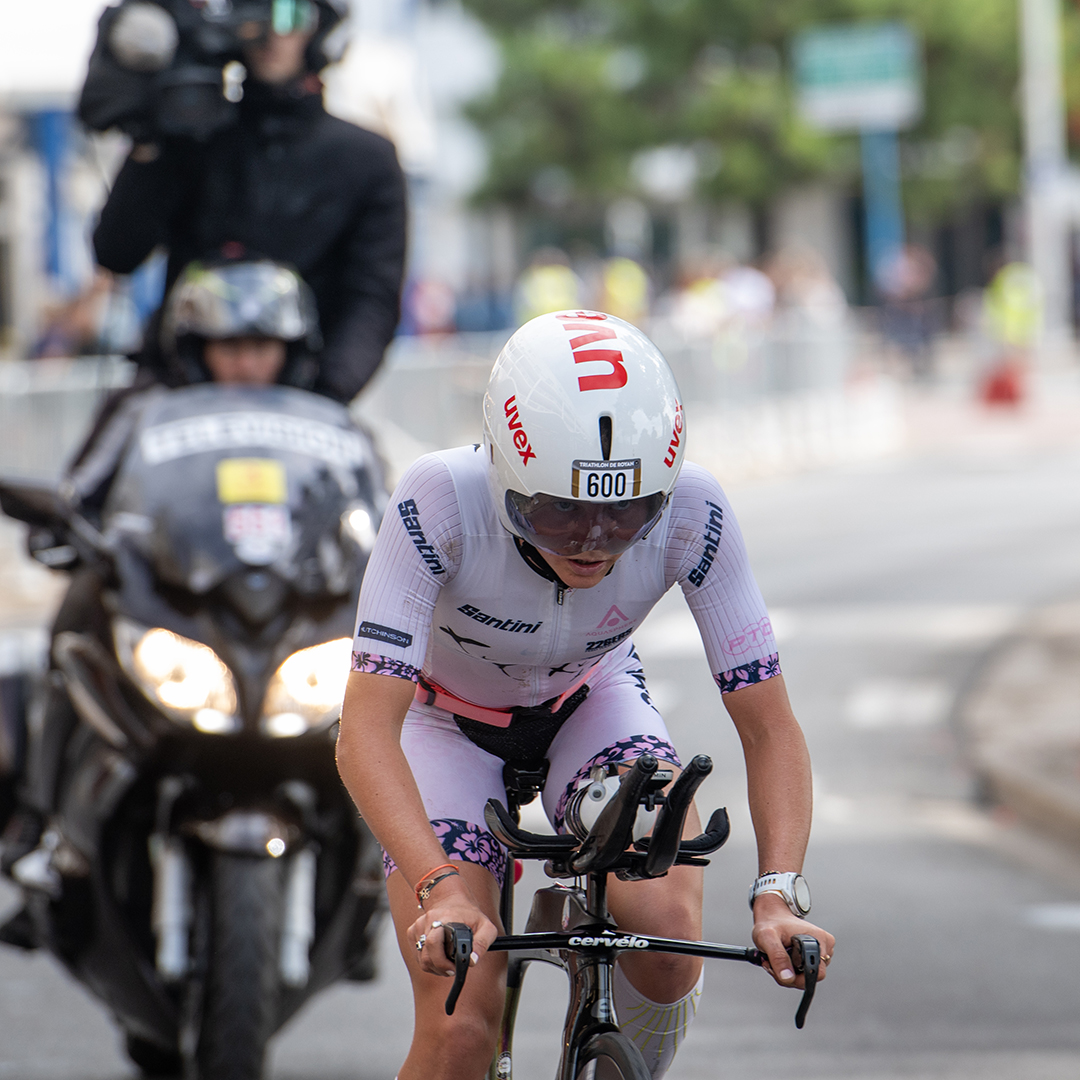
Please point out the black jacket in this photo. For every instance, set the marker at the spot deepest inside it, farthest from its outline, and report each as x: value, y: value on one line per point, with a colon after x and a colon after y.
x: 290, y: 182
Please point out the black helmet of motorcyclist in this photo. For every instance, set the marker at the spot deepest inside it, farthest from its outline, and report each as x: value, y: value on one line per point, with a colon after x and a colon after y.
x: 322, y: 19
x: 215, y: 304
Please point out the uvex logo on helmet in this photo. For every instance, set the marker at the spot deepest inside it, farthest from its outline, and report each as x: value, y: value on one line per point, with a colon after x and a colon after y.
x: 521, y: 440
x: 614, y: 379
x: 676, y: 437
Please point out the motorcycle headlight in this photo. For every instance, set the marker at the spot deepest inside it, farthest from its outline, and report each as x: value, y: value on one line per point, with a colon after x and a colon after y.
x: 306, y: 691
x: 184, y: 678
x: 358, y: 523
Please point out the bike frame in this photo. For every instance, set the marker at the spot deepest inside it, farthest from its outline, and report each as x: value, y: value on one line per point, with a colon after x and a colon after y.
x: 571, y: 928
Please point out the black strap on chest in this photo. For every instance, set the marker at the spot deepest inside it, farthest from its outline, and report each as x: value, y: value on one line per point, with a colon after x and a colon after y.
x: 524, y: 742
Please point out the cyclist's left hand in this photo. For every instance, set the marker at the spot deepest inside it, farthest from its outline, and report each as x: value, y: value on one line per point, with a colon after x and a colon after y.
x: 774, y: 927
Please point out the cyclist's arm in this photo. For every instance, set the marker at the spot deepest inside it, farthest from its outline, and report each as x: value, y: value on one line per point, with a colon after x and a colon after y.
x: 415, y: 553
x: 777, y: 772
x: 379, y: 779
x: 707, y: 557
x: 781, y: 796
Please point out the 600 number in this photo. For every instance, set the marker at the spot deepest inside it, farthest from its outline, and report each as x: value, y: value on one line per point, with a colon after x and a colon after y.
x: 606, y: 484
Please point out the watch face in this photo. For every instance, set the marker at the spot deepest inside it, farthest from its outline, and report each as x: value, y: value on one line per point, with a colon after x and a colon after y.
x: 802, y: 893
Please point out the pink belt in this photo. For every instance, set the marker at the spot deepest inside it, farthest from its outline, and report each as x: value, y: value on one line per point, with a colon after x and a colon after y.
x: 430, y: 693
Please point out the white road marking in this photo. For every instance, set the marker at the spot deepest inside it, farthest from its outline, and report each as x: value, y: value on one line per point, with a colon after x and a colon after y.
x: 1053, y: 916
x: 897, y: 703
x: 675, y: 634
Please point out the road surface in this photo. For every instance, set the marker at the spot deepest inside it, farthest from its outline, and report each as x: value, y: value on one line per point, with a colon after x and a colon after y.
x: 958, y: 934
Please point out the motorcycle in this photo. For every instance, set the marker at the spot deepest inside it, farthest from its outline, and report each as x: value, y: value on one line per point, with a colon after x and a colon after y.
x: 204, y: 872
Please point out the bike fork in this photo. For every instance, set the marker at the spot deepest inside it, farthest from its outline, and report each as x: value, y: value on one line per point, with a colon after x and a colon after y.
x: 502, y: 1063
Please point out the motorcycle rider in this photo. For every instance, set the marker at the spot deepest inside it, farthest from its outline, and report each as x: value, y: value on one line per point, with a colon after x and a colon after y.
x: 230, y: 322
x: 287, y: 180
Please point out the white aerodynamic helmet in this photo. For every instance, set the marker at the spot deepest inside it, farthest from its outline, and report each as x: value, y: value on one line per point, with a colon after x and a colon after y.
x: 584, y: 432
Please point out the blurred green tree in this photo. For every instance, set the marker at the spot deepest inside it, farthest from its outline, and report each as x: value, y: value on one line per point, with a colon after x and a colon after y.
x: 590, y: 87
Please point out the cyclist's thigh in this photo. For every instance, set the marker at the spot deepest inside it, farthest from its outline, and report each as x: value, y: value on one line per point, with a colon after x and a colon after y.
x: 615, y: 723
x: 456, y: 778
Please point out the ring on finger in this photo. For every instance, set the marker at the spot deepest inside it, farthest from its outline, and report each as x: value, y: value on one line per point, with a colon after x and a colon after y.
x: 436, y: 924
x: 420, y: 942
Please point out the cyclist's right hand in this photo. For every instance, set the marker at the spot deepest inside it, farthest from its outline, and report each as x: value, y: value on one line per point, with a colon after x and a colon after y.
x: 455, y: 904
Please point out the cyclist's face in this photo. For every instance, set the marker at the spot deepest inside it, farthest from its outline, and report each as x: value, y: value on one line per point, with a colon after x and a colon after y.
x: 277, y: 58
x: 250, y: 361
x: 581, y: 571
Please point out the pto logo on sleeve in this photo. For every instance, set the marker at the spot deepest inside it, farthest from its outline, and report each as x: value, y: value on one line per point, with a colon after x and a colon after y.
x: 606, y: 479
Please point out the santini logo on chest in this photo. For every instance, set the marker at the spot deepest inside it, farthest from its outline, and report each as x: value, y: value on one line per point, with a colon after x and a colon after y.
x: 521, y: 440
x: 608, y: 380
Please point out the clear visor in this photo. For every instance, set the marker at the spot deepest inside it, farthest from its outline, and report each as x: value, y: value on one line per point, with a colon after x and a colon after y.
x: 260, y: 299
x: 255, y: 18
x: 570, y: 527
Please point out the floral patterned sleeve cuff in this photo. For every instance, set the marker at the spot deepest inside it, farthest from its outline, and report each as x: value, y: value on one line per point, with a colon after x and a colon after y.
x: 754, y: 672
x: 373, y: 664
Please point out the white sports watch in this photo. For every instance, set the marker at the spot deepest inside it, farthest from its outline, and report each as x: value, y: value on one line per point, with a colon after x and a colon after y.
x: 791, y: 886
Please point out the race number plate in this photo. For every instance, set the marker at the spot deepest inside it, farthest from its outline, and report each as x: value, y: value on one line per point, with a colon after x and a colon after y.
x: 251, y: 480
x: 606, y: 479
x: 259, y: 533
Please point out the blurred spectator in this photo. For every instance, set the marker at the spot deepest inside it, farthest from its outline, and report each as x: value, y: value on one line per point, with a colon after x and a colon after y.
x: 1012, y: 308
x: 624, y: 290
x: 101, y: 320
x: 909, y: 317
x: 547, y: 284
x: 805, y: 289
x: 750, y: 295
x: 696, y: 307
x: 428, y: 307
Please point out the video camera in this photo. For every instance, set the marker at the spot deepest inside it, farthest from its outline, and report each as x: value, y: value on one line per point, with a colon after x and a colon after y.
x: 162, y: 67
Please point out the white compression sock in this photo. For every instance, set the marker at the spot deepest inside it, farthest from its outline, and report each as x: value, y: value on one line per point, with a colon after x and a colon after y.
x: 655, y: 1029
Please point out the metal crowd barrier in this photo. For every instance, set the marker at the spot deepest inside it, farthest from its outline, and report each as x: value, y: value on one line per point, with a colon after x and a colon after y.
x: 428, y: 393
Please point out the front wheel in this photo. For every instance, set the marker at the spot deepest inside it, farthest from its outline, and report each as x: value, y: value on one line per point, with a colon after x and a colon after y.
x: 610, y: 1055
x: 240, y: 997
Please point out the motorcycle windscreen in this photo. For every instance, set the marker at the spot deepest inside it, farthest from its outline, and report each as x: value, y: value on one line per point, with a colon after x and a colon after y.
x: 218, y: 478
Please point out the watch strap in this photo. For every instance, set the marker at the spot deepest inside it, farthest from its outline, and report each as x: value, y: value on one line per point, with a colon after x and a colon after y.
x: 785, y: 885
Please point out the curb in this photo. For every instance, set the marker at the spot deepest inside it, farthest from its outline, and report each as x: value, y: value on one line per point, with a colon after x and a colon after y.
x: 1021, y: 722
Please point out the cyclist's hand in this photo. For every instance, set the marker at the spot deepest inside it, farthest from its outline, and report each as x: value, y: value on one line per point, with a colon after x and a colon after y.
x: 456, y: 906
x: 774, y: 927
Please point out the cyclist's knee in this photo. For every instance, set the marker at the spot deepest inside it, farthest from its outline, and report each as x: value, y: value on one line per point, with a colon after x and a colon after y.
x: 661, y: 977
x: 465, y: 1041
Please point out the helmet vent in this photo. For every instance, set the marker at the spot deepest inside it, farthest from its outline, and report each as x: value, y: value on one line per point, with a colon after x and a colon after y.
x: 605, y: 437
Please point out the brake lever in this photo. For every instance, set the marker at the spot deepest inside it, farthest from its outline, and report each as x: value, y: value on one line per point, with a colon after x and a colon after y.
x: 805, y: 953
x: 457, y: 941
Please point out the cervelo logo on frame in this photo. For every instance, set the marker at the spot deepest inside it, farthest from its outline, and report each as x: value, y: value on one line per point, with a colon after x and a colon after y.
x: 614, y: 379
x: 676, y: 437
x: 606, y: 941
x: 521, y: 440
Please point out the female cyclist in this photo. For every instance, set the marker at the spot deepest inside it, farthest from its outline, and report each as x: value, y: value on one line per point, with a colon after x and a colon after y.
x: 495, y: 623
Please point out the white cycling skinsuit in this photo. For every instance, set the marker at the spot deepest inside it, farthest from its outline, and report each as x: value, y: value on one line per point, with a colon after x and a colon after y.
x: 448, y: 596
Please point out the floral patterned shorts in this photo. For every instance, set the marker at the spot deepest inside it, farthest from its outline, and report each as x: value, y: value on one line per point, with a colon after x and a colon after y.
x: 617, y: 722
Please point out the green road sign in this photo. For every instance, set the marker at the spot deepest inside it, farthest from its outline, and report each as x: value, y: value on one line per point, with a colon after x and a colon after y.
x: 861, y: 77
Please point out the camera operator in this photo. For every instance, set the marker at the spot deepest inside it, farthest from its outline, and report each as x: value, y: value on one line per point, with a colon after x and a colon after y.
x: 285, y: 179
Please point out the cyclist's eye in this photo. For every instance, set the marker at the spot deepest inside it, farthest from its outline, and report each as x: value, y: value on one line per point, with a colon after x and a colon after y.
x: 623, y: 504
x: 564, y: 506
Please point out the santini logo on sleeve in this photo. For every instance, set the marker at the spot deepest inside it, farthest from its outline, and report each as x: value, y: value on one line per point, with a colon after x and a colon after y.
x: 386, y: 634
x: 410, y: 517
